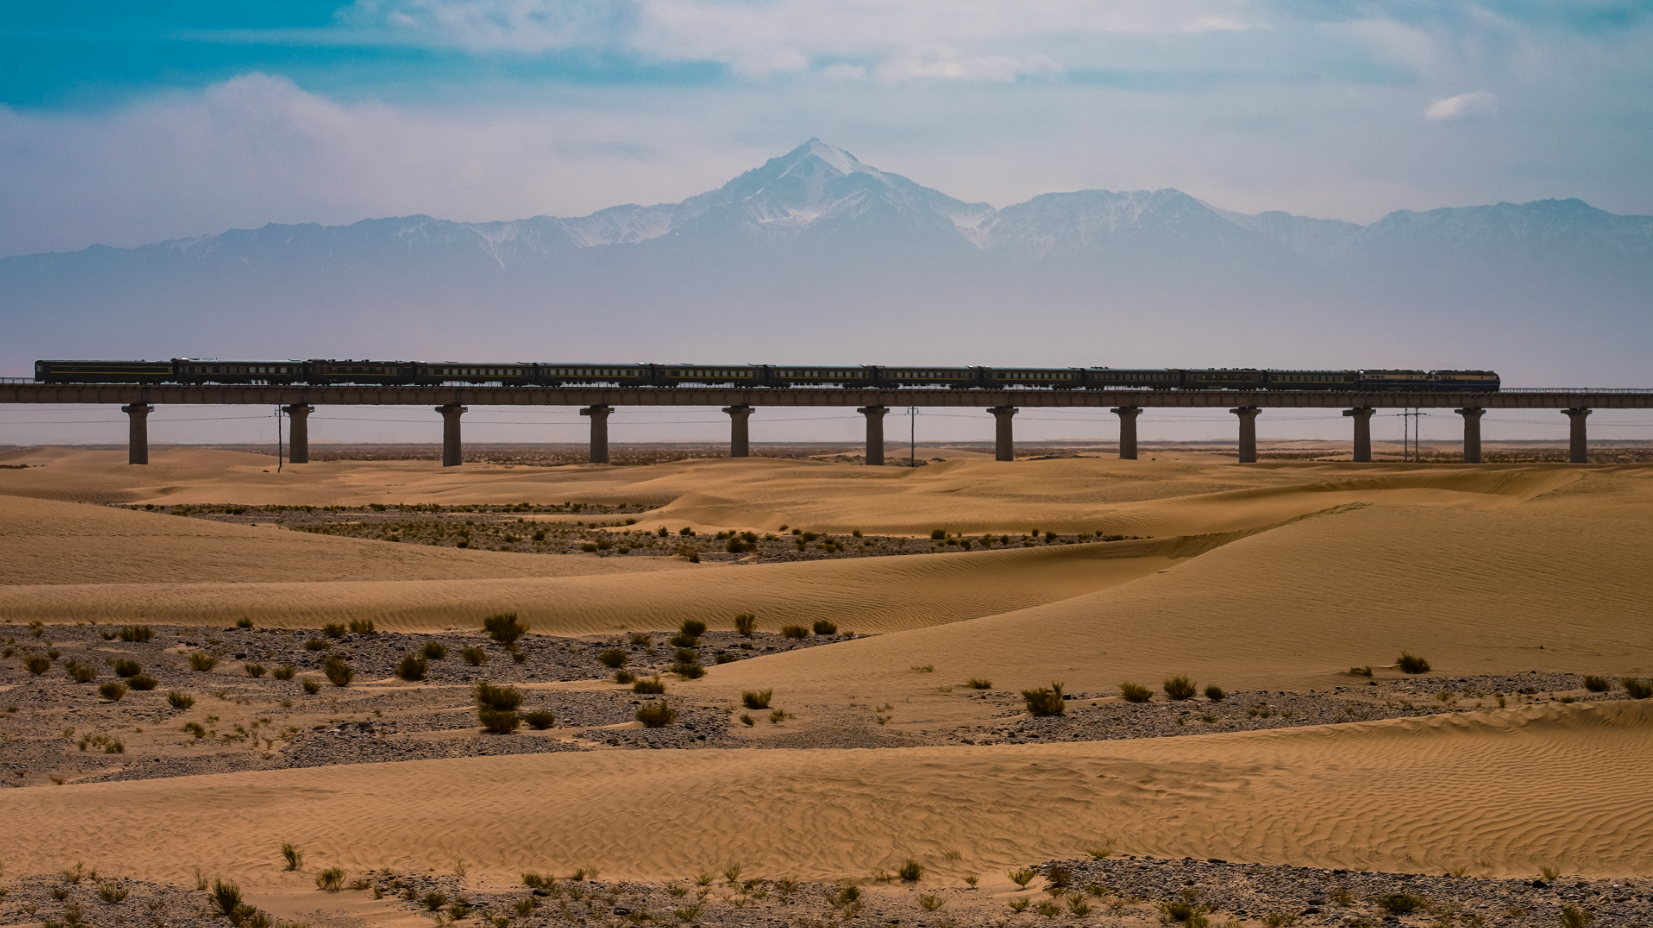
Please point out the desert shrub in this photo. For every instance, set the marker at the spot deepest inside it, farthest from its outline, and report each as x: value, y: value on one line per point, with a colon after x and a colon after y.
x: 930, y: 903
x: 640, y: 639
x: 1184, y: 912
x: 1361, y: 671
x: 1134, y: 693
x: 317, y: 644
x: 756, y: 699
x: 79, y: 672
x: 284, y: 672
x: 253, y: 670
x: 1597, y: 684
x: 1411, y: 663
x: 624, y: 676
x: 331, y: 879
x: 794, y: 631
x: 178, y: 700
x: 112, y: 893
x: 1179, y: 688
x: 613, y: 658
x: 911, y: 872
x: 724, y: 657
x: 37, y: 664
x: 127, y: 668
x: 1400, y: 903
x: 201, y: 661
x: 436, y: 650
x: 311, y: 685
x: 688, y: 671
x: 686, y: 656
x: 1215, y: 693
x: 138, y: 633
x: 112, y: 691
x: 476, y: 657
x: 540, y: 719
x: 244, y: 622
x: 1078, y: 906
x: 496, y: 721
x: 977, y: 683
x: 1045, y: 701
x: 823, y: 627
x: 338, y: 672
x: 1638, y: 689
x: 226, y: 896
x: 504, y: 627
x: 142, y: 682
x: 1575, y: 917
x: 656, y: 714
x: 434, y: 900
x: 293, y: 856
x: 361, y: 626
x: 746, y: 623
x: 489, y: 696
x: 650, y: 687
x: 333, y: 629
x: 412, y: 667
x: 684, y: 640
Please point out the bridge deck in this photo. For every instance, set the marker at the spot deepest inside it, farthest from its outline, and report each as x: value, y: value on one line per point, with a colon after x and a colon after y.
x: 178, y: 394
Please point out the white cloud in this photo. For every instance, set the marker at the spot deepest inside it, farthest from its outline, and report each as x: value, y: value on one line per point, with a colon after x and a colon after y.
x: 1463, y: 106
x: 939, y: 62
x: 259, y: 149
x: 981, y: 39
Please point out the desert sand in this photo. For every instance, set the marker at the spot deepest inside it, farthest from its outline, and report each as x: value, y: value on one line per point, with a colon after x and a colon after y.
x: 1264, y: 577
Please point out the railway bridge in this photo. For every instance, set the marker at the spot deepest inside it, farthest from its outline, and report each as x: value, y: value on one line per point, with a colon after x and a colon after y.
x: 599, y: 403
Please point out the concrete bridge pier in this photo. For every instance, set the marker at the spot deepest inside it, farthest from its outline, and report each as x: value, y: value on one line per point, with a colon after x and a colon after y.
x: 1248, y: 432
x: 453, y: 453
x: 1472, y: 432
x: 1578, y: 444
x: 1004, y: 439
x: 875, y: 433
x: 1363, y: 432
x: 298, y: 432
x: 738, y: 446
x: 599, y: 431
x: 1127, y: 430
x: 137, y: 432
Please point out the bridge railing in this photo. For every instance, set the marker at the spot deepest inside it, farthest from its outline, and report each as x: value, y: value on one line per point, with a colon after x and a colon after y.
x: 16, y: 380
x: 1574, y: 390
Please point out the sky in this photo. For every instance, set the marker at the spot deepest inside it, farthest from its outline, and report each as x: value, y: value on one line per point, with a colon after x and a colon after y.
x: 124, y: 122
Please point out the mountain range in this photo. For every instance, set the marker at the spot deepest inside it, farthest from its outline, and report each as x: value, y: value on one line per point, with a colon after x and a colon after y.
x: 816, y: 256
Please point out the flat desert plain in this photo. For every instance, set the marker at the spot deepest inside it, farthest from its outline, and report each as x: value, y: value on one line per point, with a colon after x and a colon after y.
x: 864, y: 750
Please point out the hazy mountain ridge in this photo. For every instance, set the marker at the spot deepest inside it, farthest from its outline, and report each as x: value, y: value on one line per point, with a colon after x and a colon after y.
x: 819, y: 192
x: 816, y: 254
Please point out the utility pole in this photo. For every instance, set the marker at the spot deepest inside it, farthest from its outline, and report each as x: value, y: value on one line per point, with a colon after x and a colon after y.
x: 912, y: 436
x: 278, y: 438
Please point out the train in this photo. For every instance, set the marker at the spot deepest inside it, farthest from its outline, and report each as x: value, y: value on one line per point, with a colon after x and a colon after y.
x: 757, y: 376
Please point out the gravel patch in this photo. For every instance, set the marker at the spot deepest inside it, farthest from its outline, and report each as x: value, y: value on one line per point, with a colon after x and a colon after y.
x: 1106, y: 717
x: 1313, y: 896
x: 604, y: 531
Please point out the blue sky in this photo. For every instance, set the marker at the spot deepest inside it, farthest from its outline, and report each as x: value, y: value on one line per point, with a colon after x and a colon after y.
x: 129, y: 122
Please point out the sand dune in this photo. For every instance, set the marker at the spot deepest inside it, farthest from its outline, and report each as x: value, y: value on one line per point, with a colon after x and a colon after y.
x: 51, y: 542
x: 1501, y: 792
x: 864, y: 595
x: 1296, y: 607
x: 1277, y: 577
x: 1068, y: 495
